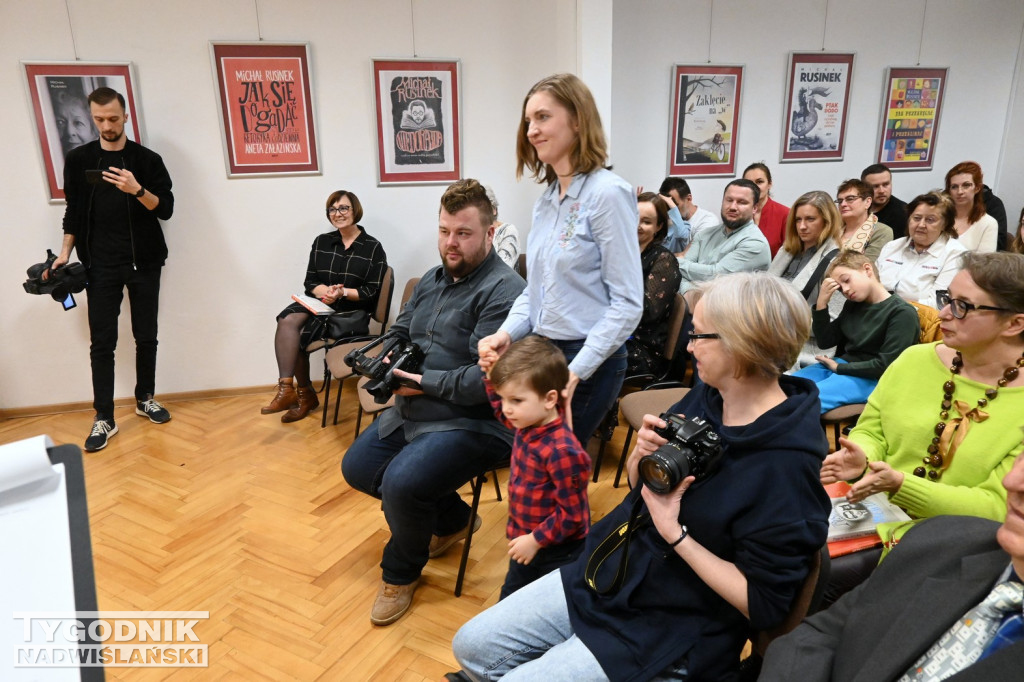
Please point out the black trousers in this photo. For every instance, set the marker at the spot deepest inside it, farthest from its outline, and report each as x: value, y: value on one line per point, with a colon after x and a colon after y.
x: 105, y: 293
x: 547, y: 559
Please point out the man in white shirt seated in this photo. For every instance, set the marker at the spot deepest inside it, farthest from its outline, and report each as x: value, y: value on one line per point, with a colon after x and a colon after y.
x: 686, y: 219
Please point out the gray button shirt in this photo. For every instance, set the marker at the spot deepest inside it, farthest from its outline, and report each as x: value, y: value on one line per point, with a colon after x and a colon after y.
x: 447, y: 318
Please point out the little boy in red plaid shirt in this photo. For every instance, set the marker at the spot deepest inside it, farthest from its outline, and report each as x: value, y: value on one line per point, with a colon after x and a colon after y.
x: 548, y: 508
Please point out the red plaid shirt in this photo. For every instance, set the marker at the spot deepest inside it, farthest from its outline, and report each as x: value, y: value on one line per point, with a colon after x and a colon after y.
x: 547, y: 485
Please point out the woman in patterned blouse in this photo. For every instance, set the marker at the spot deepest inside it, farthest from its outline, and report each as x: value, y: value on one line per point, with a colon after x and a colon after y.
x: 346, y: 266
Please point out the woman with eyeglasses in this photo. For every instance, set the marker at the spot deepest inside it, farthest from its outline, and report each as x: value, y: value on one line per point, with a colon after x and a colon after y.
x: 918, y: 265
x: 707, y: 559
x: 976, y: 229
x: 861, y: 230
x: 345, y: 270
x: 942, y: 427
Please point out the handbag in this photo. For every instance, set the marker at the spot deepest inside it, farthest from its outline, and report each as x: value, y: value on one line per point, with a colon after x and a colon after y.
x: 348, y: 323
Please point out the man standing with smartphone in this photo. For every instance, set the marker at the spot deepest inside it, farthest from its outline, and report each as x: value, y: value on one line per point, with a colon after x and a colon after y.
x: 117, y: 192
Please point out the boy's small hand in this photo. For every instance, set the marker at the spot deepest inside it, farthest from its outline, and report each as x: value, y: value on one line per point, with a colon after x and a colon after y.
x: 523, y: 548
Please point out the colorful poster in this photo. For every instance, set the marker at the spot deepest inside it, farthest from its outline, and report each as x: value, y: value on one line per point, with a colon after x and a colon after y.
x: 417, y: 121
x: 911, y: 106
x: 266, y: 109
x: 59, y: 95
x: 705, y: 114
x: 817, y: 104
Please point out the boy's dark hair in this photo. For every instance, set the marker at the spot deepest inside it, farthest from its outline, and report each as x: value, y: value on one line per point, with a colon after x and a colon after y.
x: 875, y: 169
x: 536, y: 362
x: 676, y: 183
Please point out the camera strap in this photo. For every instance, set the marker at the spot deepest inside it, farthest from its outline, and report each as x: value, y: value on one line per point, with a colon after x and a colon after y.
x: 620, y: 537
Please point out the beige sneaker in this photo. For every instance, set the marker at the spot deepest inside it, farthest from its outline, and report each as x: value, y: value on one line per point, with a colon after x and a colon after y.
x: 439, y: 544
x: 392, y: 602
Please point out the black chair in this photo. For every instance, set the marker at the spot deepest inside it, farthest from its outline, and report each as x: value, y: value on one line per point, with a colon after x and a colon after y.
x: 642, y: 382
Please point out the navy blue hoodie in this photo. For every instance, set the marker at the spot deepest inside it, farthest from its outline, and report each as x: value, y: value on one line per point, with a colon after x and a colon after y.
x: 765, y: 510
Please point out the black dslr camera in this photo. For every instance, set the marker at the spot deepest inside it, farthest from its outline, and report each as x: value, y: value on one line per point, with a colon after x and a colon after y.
x: 401, y: 354
x: 60, y: 283
x: 693, y: 449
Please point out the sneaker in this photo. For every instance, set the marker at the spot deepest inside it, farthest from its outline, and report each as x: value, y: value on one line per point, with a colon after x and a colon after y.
x: 102, y: 431
x: 392, y: 602
x: 156, y: 412
x: 439, y: 544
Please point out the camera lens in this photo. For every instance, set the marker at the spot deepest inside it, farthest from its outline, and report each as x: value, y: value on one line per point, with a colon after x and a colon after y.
x: 663, y: 469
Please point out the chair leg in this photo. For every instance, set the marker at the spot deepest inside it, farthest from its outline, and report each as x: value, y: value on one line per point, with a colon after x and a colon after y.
x: 327, y: 395
x: 337, y: 401
x: 478, y: 485
x: 497, y: 488
x: 622, y: 458
x: 359, y: 418
x: 600, y: 458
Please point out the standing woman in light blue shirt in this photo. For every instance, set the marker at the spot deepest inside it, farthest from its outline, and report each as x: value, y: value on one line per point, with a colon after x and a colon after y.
x: 584, y: 282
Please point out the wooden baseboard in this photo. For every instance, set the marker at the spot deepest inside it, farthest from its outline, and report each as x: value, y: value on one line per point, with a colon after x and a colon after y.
x: 82, y: 406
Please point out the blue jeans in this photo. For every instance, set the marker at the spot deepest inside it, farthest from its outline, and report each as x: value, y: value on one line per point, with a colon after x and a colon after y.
x: 595, y: 396
x: 837, y: 389
x: 104, y: 293
x: 526, y: 637
x: 418, y: 484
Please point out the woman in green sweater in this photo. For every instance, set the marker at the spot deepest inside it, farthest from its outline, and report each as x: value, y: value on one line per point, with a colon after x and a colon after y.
x: 873, y: 328
x: 944, y: 424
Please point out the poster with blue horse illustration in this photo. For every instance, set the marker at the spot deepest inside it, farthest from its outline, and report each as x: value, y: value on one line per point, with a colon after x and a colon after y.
x: 817, y: 104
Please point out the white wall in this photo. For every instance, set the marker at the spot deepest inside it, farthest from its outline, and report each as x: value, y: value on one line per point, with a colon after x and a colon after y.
x: 238, y: 247
x: 978, y: 41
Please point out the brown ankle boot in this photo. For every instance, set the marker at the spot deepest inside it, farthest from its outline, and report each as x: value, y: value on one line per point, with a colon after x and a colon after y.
x: 285, y: 398
x: 307, y: 403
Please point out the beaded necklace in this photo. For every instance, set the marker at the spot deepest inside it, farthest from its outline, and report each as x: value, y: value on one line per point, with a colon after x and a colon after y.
x: 949, y: 435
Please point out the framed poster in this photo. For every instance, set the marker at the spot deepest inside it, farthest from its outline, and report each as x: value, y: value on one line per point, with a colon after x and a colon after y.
x: 911, y: 105
x: 817, y: 104
x: 266, y: 108
x: 418, y: 121
x: 59, y: 94
x: 705, y: 116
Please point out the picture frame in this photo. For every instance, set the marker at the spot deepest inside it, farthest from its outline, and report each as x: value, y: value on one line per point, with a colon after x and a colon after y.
x: 816, y: 106
x: 911, y: 111
x: 704, y: 124
x: 419, y: 120
x: 266, y: 107
x: 58, y: 93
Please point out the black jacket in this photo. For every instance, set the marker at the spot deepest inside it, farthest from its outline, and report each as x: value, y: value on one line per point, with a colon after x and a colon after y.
x: 148, y: 246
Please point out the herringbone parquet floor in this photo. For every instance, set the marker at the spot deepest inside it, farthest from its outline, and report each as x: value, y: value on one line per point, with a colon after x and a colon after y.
x: 227, y: 511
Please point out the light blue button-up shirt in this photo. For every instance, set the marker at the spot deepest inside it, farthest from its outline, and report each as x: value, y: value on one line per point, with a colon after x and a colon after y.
x: 584, y: 279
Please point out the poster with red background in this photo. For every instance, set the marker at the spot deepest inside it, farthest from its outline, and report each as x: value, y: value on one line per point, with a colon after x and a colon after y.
x: 266, y: 108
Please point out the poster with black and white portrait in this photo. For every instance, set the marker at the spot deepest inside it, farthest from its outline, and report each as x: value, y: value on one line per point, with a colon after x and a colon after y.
x: 59, y: 94
x: 417, y: 121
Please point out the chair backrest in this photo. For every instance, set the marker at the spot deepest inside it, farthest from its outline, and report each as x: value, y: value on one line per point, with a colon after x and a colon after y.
x: 521, y: 265
x: 675, y: 326
x: 407, y: 293
x: 382, y: 311
x: 807, y: 601
x: 928, y: 317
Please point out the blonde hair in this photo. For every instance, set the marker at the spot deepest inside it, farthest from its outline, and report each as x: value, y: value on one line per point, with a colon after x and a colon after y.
x: 762, y: 321
x: 589, y: 151
x: 826, y: 208
x: 851, y: 260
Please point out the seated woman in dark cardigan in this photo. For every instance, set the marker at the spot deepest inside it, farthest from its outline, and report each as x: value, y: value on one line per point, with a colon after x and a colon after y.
x: 708, y: 559
x: 645, y: 349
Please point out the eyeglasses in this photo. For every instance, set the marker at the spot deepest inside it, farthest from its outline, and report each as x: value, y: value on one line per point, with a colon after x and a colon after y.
x: 961, y: 308
x: 340, y: 210
x: 848, y: 199
x: 967, y: 187
x: 927, y: 220
x: 697, y: 337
